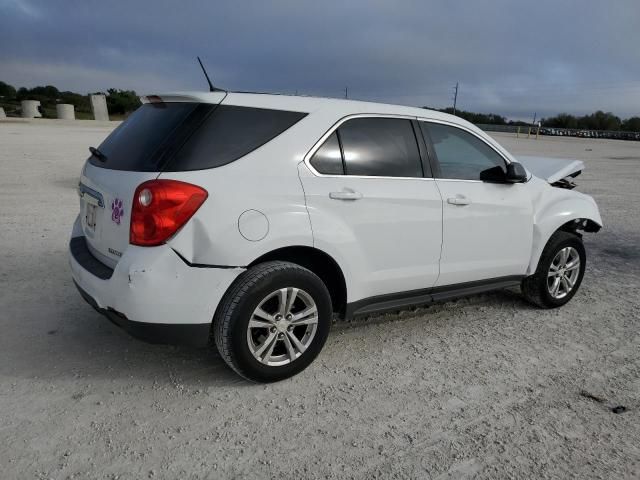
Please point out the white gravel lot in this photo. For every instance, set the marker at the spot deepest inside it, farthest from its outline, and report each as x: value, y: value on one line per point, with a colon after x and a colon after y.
x: 487, y: 387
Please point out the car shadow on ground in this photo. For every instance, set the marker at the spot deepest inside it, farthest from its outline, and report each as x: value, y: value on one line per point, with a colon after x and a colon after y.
x: 56, y: 334
x: 75, y: 341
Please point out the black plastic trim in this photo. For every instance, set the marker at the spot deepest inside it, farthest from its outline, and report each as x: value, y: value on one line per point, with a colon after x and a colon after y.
x: 203, y: 265
x: 431, y: 153
x: 82, y: 255
x: 414, y: 298
x: 190, y: 334
x: 422, y: 149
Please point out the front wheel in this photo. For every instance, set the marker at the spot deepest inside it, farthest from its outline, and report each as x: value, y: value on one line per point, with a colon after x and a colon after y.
x: 559, y: 273
x: 273, y: 321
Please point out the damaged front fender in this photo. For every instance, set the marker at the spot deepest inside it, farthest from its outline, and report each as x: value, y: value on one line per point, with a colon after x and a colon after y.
x: 555, y: 209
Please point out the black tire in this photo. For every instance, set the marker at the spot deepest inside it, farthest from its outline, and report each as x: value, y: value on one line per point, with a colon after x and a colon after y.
x: 232, y: 317
x: 535, y: 289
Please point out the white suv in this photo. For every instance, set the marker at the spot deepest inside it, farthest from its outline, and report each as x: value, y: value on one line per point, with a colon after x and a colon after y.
x: 253, y: 220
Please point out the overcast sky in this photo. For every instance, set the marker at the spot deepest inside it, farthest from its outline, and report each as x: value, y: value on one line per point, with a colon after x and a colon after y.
x: 511, y: 57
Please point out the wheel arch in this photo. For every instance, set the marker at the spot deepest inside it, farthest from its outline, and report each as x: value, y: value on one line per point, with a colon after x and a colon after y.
x: 560, y: 209
x: 320, y: 263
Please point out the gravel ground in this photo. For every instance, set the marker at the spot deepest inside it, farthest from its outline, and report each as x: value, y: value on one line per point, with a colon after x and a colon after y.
x: 487, y: 387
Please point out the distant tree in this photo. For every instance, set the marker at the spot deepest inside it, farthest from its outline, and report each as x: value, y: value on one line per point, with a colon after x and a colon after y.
x: 562, y: 120
x: 80, y: 102
x: 22, y: 94
x: 631, y: 124
x: 600, y: 121
x: 122, y: 101
x: 7, y: 91
x: 49, y: 91
x: 47, y: 95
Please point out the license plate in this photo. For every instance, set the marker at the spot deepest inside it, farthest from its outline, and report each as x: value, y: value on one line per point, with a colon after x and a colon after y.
x: 90, y: 216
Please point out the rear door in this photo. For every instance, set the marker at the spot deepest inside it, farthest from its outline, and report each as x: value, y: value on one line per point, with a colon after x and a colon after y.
x: 374, y: 206
x: 487, y: 227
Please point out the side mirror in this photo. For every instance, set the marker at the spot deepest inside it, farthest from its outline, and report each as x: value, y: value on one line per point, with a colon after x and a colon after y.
x: 493, y: 175
x: 515, y: 173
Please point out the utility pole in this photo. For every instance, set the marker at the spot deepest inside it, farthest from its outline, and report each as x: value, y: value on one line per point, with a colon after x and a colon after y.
x: 535, y: 114
x: 455, y: 98
x: 346, y: 92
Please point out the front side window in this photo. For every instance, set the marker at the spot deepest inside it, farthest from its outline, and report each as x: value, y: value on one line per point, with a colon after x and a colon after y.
x: 460, y: 154
x: 380, y: 147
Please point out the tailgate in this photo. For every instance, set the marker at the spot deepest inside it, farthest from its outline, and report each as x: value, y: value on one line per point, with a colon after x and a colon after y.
x: 136, y: 151
x: 105, y: 209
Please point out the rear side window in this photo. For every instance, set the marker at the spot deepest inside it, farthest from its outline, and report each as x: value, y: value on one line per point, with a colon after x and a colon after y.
x: 328, y: 158
x: 184, y: 136
x: 460, y: 154
x: 136, y: 144
x: 230, y: 133
x: 381, y: 147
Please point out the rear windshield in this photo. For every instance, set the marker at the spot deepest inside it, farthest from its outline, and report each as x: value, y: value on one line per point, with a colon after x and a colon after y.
x: 190, y: 136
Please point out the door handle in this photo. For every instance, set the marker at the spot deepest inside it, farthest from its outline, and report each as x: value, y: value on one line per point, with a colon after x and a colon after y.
x: 459, y: 200
x: 346, y: 194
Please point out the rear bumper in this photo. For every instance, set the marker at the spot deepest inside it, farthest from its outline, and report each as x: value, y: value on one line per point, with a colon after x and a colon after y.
x: 152, y: 293
x: 195, y: 335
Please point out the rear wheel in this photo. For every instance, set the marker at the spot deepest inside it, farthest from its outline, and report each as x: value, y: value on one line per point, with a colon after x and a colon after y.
x: 559, y: 273
x: 273, y: 321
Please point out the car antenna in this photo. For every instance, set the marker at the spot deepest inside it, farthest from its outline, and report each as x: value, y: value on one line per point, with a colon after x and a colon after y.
x: 211, y: 87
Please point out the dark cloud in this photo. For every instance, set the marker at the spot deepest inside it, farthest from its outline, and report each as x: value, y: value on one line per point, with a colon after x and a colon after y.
x: 512, y: 58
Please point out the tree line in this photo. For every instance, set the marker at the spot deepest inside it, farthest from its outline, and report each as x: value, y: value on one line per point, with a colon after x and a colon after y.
x: 123, y: 102
x: 596, y: 121
x: 479, y: 118
x: 119, y: 102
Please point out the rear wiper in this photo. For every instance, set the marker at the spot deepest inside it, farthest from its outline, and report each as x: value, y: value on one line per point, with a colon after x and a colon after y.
x: 98, y: 154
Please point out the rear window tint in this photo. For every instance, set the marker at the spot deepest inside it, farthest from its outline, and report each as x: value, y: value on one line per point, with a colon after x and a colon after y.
x: 184, y: 136
x: 230, y: 133
x: 328, y: 159
x: 135, y: 144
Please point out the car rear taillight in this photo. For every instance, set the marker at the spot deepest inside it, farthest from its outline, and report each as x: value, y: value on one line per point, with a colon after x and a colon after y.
x: 160, y: 208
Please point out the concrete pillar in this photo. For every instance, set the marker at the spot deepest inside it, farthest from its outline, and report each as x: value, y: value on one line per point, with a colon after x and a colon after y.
x: 2, y: 114
x: 99, y: 107
x: 64, y: 111
x: 30, y: 109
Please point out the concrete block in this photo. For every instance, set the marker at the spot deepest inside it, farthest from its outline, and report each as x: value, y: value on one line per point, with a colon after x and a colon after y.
x: 99, y: 107
x: 30, y: 109
x: 64, y: 111
x: 2, y: 114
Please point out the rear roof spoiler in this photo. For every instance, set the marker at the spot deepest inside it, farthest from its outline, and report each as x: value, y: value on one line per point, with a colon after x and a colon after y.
x: 198, y: 97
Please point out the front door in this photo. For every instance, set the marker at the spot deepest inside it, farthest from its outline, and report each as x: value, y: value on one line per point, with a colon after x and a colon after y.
x: 487, y: 227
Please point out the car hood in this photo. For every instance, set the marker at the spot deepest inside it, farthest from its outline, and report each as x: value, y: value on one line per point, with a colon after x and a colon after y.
x: 552, y: 169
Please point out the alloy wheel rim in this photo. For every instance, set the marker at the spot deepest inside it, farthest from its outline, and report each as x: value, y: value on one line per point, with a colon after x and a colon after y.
x: 282, y: 326
x: 563, y: 272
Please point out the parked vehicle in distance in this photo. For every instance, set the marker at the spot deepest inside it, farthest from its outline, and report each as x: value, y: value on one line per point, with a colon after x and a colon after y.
x: 252, y: 220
